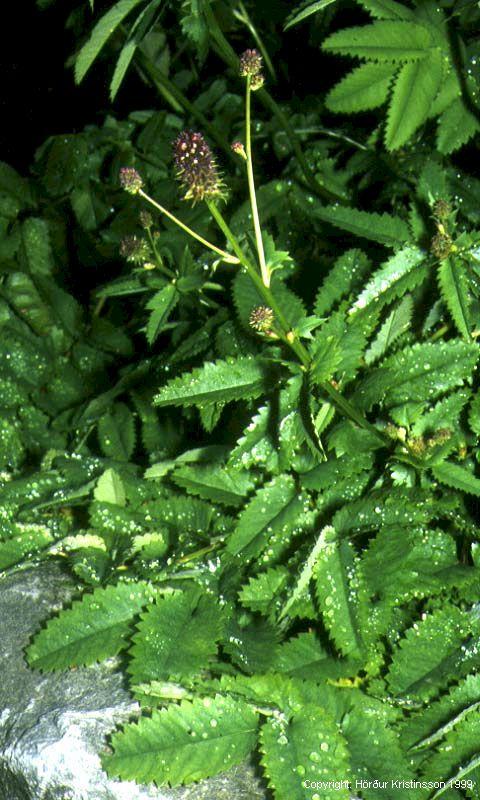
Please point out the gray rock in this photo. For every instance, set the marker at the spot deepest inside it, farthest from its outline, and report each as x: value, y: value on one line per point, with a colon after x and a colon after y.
x: 53, y: 726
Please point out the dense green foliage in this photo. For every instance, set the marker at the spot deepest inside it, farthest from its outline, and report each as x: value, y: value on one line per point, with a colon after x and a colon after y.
x: 260, y: 460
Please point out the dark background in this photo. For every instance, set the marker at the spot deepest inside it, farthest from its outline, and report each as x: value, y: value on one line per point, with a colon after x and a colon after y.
x: 39, y: 97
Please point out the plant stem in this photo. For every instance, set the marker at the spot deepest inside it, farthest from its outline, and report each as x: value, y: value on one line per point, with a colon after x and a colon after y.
x: 251, y: 186
x: 160, y: 265
x: 227, y: 53
x: 222, y: 253
x: 287, y: 334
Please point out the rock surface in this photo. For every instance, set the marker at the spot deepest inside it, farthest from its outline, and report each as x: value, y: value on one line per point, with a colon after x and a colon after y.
x: 53, y: 726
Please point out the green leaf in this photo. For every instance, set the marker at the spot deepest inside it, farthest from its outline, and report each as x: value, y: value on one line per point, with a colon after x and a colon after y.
x: 382, y: 41
x: 415, y: 89
x: 458, y: 757
x: 185, y: 742
x: 36, y: 241
x: 110, y: 489
x: 419, y: 372
x: 221, y: 381
x: 455, y: 127
x: 176, y: 637
x: 474, y: 414
x: 261, y: 590
x: 384, y: 228
x: 101, y: 33
x: 390, y: 280
x: 428, y: 727
x: 349, y: 270
x: 444, y: 414
x: 404, y: 563
x: 251, y: 647
x: 138, y: 31
x: 387, y: 9
x: 308, y: 746
x: 432, y: 650
x: 375, y: 754
x: 217, y: 484
x: 452, y: 279
x: 22, y: 294
x: 161, y: 305
x: 361, y: 90
x: 301, y: 657
x: 457, y: 477
x: 194, y: 25
x: 329, y: 473
x: 29, y: 540
x: 270, y: 517
x: 116, y: 433
x: 304, y: 11
x: 397, y: 322
x: 302, y: 583
x: 93, y: 629
x: 337, y: 592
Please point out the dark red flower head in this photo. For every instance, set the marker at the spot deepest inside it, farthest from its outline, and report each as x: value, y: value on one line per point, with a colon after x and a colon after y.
x: 250, y: 63
x: 196, y: 167
x: 131, y: 180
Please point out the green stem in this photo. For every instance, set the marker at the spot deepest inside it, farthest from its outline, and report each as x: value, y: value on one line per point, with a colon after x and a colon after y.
x: 287, y: 335
x: 161, y: 266
x: 251, y: 186
x: 222, y: 253
x: 226, y: 52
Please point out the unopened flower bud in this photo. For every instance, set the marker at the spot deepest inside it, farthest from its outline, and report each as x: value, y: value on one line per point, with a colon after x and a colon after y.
x: 441, y: 245
x: 250, y: 63
x: 146, y: 219
x: 131, y: 180
x: 196, y: 167
x: 440, y: 437
x: 442, y: 209
x: 261, y: 319
x: 239, y: 149
x: 134, y: 249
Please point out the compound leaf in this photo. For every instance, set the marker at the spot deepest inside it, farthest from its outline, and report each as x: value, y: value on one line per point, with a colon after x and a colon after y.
x: 220, y: 381
x: 382, y: 41
x: 310, y: 744
x: 93, y: 629
x: 184, y: 743
x: 361, y: 90
x: 415, y: 89
x: 269, y: 518
x: 176, y: 637
x: 453, y: 286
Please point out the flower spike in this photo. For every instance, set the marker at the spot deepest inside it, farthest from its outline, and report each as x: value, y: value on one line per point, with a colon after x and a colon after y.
x: 131, y: 180
x: 250, y: 63
x: 196, y: 167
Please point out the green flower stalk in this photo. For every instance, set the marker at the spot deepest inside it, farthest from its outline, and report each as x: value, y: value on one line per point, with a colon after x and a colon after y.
x: 133, y: 183
x: 250, y: 68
